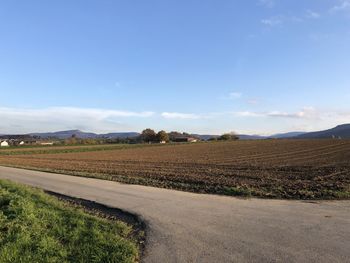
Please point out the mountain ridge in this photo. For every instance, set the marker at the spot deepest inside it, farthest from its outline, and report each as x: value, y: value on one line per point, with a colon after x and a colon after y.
x: 340, y: 131
x: 84, y: 135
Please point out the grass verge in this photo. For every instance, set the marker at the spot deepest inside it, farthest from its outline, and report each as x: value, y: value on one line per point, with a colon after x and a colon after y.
x: 36, y: 227
x: 69, y: 149
x: 54, y: 149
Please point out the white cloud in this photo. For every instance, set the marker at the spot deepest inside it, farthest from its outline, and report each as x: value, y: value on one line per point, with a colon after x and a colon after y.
x: 279, y: 20
x: 15, y: 120
x: 267, y: 3
x: 235, y: 95
x: 253, y: 101
x: 344, y: 5
x: 305, y: 113
x: 307, y: 119
x: 272, y: 21
x: 182, y: 116
x: 247, y: 114
x: 91, y: 112
x: 312, y: 14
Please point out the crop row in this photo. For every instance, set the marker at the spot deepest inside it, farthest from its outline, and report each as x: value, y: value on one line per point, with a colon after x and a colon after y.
x: 274, y: 168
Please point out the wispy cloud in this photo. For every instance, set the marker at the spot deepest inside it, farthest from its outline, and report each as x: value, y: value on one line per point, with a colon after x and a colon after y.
x: 235, y: 95
x: 312, y: 14
x: 253, y: 101
x: 306, y: 116
x: 305, y: 113
x: 56, y: 118
x: 71, y: 111
x: 182, y: 116
x: 247, y: 114
x: 272, y: 21
x: 16, y: 120
x: 342, y: 6
x: 267, y: 3
x: 279, y: 20
x: 98, y: 113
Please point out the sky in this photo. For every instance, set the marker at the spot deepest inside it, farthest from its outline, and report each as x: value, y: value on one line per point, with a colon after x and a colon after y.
x: 200, y: 66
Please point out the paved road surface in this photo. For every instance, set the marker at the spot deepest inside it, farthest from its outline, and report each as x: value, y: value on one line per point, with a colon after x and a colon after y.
x: 186, y: 227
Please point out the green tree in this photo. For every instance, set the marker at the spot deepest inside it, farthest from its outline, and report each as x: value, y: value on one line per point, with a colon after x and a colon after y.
x: 173, y: 135
x: 228, y: 137
x: 148, y: 135
x: 162, y: 136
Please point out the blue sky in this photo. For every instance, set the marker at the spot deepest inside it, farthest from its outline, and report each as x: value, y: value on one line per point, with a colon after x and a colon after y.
x: 204, y: 66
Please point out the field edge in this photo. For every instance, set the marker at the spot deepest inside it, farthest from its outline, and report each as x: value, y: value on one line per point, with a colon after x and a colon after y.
x: 234, y: 191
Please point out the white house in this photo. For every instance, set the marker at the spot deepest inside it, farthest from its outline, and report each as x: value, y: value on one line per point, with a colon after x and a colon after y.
x: 46, y: 143
x: 4, y: 144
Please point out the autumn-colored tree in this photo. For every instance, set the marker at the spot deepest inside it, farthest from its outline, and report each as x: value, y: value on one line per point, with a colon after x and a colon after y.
x: 162, y: 136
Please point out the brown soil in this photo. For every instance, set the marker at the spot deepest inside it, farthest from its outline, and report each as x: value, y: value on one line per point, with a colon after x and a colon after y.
x: 306, y: 169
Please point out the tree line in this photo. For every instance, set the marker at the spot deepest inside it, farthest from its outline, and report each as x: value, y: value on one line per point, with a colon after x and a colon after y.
x: 147, y: 136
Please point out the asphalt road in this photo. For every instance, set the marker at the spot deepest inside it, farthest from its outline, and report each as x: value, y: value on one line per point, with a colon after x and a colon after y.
x: 187, y: 227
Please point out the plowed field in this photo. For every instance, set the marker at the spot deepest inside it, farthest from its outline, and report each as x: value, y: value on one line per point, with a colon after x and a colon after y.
x: 307, y: 169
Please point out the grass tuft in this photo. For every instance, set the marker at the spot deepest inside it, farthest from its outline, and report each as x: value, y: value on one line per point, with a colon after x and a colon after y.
x: 238, y: 191
x: 36, y: 227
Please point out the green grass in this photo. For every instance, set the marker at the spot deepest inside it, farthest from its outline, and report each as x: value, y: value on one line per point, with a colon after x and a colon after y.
x: 238, y: 191
x: 29, y: 150
x: 52, y: 149
x: 36, y: 227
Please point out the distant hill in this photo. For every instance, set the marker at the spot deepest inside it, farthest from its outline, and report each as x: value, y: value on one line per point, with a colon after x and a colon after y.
x: 342, y: 131
x: 204, y: 137
x: 251, y: 137
x: 254, y: 137
x: 65, y: 134
x: 286, y: 135
x: 120, y: 135
x: 16, y: 137
x: 84, y: 135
